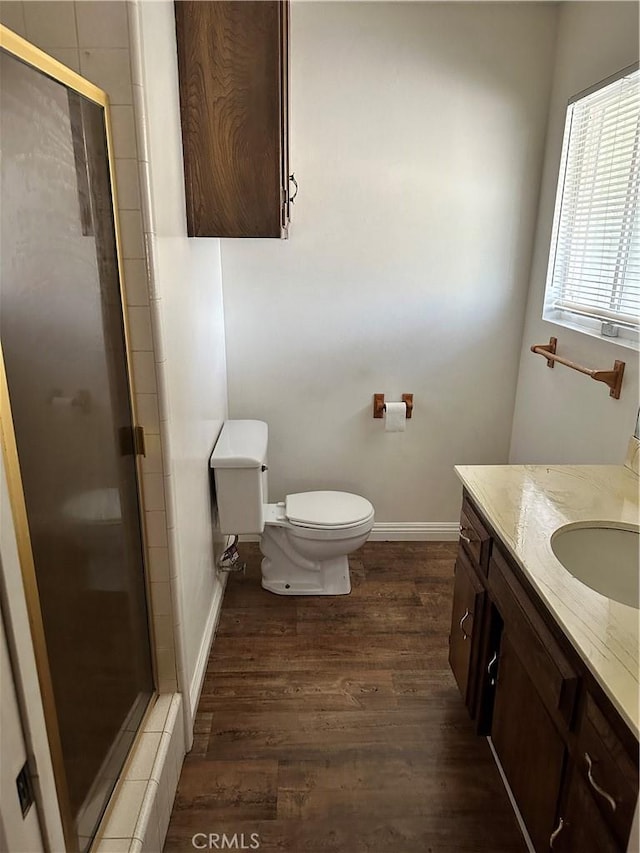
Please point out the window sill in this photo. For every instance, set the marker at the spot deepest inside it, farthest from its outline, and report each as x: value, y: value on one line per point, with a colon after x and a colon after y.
x: 626, y: 337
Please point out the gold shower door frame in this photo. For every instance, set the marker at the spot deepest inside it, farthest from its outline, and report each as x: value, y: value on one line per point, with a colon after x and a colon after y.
x: 42, y: 62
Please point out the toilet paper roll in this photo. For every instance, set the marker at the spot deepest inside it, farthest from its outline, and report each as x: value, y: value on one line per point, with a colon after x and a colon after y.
x: 395, y: 417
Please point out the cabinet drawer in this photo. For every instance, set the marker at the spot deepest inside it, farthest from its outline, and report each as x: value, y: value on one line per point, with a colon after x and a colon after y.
x: 474, y: 537
x: 608, y: 769
x: 553, y: 676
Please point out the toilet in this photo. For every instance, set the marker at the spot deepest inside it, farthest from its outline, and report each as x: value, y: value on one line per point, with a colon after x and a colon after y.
x: 305, y: 538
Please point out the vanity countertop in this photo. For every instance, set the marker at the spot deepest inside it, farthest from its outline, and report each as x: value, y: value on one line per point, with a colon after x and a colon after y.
x: 525, y: 504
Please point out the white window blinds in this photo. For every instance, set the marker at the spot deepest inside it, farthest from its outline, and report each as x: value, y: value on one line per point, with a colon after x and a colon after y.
x: 594, y: 264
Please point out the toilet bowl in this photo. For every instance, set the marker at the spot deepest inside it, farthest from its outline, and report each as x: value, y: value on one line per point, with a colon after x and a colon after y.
x: 306, y: 539
x: 304, y: 553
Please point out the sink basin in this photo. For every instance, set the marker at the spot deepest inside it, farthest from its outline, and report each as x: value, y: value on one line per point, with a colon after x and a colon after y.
x: 604, y: 557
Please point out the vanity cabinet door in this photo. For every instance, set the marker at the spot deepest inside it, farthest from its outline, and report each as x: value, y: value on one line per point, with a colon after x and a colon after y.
x: 528, y: 745
x: 466, y: 622
x: 609, y: 770
x: 580, y: 827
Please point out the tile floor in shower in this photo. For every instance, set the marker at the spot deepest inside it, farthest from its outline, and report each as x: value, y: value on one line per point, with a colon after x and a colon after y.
x: 334, y: 724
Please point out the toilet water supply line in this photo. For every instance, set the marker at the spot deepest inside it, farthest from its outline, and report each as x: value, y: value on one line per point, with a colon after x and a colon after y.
x: 229, y: 560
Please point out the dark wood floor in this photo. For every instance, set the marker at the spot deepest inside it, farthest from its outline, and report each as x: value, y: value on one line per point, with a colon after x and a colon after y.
x: 334, y: 724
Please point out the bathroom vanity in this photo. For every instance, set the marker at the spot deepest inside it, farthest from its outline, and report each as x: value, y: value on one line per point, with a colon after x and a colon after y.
x: 548, y: 667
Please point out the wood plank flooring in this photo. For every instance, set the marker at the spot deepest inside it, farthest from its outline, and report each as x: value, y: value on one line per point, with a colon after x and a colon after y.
x: 334, y: 725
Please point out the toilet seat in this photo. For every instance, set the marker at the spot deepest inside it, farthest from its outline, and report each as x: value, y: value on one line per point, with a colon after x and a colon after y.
x: 327, y: 510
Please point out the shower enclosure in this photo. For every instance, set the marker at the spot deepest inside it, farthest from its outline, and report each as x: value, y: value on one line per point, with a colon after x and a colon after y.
x: 69, y: 436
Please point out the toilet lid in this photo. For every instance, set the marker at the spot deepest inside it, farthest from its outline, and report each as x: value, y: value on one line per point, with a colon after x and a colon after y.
x: 327, y: 509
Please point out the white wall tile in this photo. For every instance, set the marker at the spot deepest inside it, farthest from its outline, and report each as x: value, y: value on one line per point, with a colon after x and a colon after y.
x: 102, y: 24
x: 135, y: 846
x: 12, y: 16
x: 147, y: 827
x: 151, y: 841
x: 140, y: 329
x: 170, y: 500
x: 144, y: 372
x: 143, y: 759
x: 158, y: 564
x: 51, y: 23
x: 142, y: 133
x: 153, y: 490
x: 131, y: 234
x: 135, y: 37
x: 159, y: 770
x: 158, y: 716
x: 135, y: 281
x: 69, y: 56
x: 163, y: 631
x: 164, y: 809
x: 113, y: 845
x: 128, y: 189
x: 148, y: 221
x: 152, y: 460
x: 157, y: 320
x: 156, y: 529
x: 160, y: 598
x: 109, y: 69
x: 124, y: 131
x: 175, y: 710
x: 126, y: 807
x: 147, y: 412
x: 166, y: 663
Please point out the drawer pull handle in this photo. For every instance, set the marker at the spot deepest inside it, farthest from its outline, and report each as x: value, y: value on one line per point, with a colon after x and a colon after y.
x: 556, y: 832
x: 492, y: 662
x: 595, y: 785
x: 463, y: 535
x: 467, y: 612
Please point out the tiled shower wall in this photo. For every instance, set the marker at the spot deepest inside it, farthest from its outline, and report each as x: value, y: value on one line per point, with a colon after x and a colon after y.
x: 92, y: 38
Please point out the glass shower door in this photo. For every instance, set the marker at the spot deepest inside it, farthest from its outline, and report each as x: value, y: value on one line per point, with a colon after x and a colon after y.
x: 63, y: 345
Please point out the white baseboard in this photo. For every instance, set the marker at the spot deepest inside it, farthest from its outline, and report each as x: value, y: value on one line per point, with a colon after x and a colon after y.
x: 403, y: 531
x: 205, y: 647
x: 415, y: 531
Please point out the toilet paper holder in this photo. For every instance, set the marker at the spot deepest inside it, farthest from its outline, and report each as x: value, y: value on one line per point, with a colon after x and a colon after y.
x: 378, y: 404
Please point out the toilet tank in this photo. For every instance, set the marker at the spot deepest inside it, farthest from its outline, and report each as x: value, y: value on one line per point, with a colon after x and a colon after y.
x: 239, y: 462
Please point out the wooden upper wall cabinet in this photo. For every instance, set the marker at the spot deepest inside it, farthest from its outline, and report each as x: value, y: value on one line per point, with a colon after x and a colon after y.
x: 233, y: 62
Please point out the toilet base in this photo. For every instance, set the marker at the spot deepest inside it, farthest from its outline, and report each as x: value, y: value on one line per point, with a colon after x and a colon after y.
x: 330, y: 578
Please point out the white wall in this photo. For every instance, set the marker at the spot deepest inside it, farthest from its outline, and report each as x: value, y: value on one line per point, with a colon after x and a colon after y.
x: 561, y: 415
x: 417, y: 141
x: 189, y: 333
x: 15, y: 619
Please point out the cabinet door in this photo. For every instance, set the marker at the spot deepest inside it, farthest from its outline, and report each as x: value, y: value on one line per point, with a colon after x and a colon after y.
x: 285, y: 62
x: 466, y: 620
x: 233, y: 98
x: 528, y: 745
x: 581, y: 828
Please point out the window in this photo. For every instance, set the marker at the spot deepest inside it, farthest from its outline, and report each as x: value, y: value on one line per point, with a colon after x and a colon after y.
x: 593, y: 280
